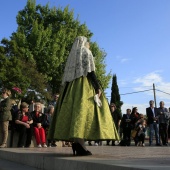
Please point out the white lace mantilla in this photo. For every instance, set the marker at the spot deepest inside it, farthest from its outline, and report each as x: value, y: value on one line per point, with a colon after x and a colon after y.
x: 79, y: 62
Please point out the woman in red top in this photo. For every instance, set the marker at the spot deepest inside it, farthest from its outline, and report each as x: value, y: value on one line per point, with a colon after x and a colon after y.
x: 24, y: 121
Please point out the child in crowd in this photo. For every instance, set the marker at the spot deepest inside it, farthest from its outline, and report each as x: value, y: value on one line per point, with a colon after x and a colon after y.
x: 141, y: 129
x: 49, y: 114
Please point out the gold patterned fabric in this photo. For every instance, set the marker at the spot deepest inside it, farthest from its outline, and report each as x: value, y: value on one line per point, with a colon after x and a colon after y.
x: 78, y: 116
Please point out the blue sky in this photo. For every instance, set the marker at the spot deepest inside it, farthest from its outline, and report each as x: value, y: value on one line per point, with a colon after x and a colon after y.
x: 135, y: 35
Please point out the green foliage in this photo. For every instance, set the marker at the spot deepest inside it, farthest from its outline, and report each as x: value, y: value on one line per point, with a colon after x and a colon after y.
x: 45, y: 36
x: 115, y: 96
x: 22, y: 74
x: 99, y: 56
x: 36, y: 53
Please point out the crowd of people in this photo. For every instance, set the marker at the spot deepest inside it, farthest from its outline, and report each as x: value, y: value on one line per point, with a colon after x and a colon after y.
x: 131, y: 126
x: 134, y: 126
x: 26, y: 123
x: 82, y: 113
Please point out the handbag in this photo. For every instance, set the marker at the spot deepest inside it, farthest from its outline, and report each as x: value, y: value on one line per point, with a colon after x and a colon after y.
x: 133, y: 133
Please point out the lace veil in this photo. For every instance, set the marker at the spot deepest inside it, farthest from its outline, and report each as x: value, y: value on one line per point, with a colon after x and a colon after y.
x: 79, y: 62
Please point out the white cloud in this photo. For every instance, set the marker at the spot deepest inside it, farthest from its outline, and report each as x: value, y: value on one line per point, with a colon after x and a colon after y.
x: 142, y: 83
x: 146, y: 82
x: 149, y: 79
x: 122, y: 59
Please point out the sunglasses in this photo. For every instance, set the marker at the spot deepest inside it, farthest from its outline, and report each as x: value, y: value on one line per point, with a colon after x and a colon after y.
x: 3, y: 92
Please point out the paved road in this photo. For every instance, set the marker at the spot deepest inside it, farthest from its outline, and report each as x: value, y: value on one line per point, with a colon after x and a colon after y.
x: 8, y: 165
x: 103, y: 158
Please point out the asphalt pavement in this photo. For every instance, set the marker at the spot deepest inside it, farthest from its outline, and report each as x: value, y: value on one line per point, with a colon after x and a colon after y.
x: 103, y: 158
x: 9, y: 165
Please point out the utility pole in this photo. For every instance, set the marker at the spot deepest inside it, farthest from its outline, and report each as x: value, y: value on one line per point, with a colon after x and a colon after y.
x: 154, y: 94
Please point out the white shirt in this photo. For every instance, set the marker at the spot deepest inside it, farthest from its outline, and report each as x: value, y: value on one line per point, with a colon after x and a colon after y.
x: 153, y: 111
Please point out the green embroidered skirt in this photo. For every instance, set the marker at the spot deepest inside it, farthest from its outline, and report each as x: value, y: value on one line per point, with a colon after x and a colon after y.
x: 78, y: 116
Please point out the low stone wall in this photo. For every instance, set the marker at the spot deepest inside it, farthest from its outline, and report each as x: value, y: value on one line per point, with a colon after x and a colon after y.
x: 13, y: 140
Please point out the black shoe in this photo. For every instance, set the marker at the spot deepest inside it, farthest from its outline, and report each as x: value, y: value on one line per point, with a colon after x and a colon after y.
x: 79, y: 150
x: 89, y: 143
x: 74, y: 148
x: 53, y: 145
x: 166, y: 144
x: 158, y: 144
x: 20, y: 146
x: 87, y: 153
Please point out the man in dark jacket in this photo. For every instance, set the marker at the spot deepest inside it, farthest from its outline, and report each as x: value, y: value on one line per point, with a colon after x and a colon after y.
x: 151, y: 113
x: 126, y: 124
x: 163, y: 119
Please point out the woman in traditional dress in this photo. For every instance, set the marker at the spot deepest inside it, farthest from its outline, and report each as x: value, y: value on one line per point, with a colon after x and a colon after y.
x: 78, y: 117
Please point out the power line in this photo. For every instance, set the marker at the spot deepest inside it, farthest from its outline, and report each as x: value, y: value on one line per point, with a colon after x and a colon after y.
x: 136, y: 92
x: 143, y: 91
x: 163, y: 92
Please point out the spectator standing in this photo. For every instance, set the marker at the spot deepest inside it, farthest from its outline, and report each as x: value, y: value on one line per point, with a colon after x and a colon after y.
x: 5, y: 116
x: 55, y: 99
x: 117, y: 116
x: 24, y: 125
x: 152, y: 122
x: 49, y: 115
x: 163, y: 119
x: 135, y: 116
x: 39, y: 120
x: 126, y: 124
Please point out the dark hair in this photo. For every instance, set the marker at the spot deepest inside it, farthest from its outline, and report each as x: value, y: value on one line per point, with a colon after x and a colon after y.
x: 128, y: 109
x: 49, y: 108
x: 112, y: 105
x: 133, y: 110
x: 151, y: 101
x: 141, y: 115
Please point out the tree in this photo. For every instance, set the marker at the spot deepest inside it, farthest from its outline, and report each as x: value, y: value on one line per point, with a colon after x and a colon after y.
x: 47, y: 35
x: 18, y: 73
x: 41, y: 46
x: 115, y: 96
